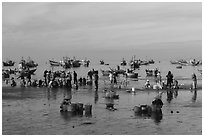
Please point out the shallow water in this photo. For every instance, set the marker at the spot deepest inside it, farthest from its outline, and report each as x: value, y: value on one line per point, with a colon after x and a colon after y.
x: 36, y: 110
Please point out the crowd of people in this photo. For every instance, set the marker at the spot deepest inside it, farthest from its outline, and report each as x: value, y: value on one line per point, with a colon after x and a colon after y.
x: 66, y: 79
x: 171, y: 82
x: 56, y: 79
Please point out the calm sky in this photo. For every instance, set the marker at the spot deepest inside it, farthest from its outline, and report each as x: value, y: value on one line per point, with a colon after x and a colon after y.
x: 42, y: 30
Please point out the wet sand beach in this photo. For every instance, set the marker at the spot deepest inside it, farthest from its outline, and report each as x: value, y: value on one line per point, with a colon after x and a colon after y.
x: 36, y: 111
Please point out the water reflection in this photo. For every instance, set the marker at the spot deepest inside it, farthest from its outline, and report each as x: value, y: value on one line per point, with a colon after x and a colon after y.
x: 52, y: 93
x: 67, y: 94
x: 194, y: 96
x: 96, y: 96
x: 175, y: 93
x: 156, y: 116
x: 66, y: 115
x: 169, y: 95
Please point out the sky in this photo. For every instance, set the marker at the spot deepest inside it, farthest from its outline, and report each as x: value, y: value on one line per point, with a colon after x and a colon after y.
x: 47, y: 30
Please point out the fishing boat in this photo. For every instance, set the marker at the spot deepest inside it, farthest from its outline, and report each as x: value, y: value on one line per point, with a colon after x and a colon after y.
x: 31, y: 64
x: 151, y: 61
x: 132, y: 74
x: 8, y: 63
x: 85, y: 63
x: 134, y: 64
x: 76, y: 63
x: 102, y: 62
x: 193, y: 62
x: 179, y: 67
x: 54, y: 63
x: 123, y: 62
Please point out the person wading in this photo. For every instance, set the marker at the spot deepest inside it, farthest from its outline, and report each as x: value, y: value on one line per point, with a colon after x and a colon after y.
x: 169, y: 79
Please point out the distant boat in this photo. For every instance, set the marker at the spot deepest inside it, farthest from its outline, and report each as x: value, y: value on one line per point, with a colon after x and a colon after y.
x: 85, y: 63
x: 132, y: 75
x: 179, y: 67
x: 151, y: 61
x: 101, y: 62
x: 54, y: 63
x: 31, y: 64
x: 8, y: 63
x: 123, y: 62
x: 76, y: 63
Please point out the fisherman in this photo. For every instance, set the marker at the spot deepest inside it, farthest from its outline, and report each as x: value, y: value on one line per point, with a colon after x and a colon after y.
x: 156, y: 72
x: 29, y: 78
x: 84, y: 81
x: 80, y: 81
x: 75, y: 78
x: 90, y: 74
x: 147, y: 84
x: 40, y: 83
x: 48, y: 77
x: 169, y: 79
x: 175, y: 84
x: 45, y: 77
x: 114, y: 78
x: 111, y: 77
x: 159, y: 77
x: 69, y: 79
x: 13, y: 83
x: 34, y: 83
x: 194, y: 78
x: 96, y: 79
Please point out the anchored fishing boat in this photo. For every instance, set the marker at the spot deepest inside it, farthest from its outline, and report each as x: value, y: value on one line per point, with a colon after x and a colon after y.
x: 123, y: 62
x: 8, y: 63
x: 102, y: 62
x: 54, y: 63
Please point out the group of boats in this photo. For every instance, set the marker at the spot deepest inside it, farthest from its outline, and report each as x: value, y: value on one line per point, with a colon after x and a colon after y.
x: 70, y: 63
x: 130, y: 73
x: 25, y: 67
x: 182, y: 62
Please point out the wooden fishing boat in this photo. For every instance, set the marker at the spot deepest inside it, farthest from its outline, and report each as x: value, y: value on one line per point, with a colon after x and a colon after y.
x: 76, y: 63
x: 85, y: 63
x: 54, y: 63
x: 151, y: 61
x: 8, y: 63
x: 102, y: 62
x: 31, y: 64
x: 179, y: 67
x: 132, y: 74
x: 123, y: 62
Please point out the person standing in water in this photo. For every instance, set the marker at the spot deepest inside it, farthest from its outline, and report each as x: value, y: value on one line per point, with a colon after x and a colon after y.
x: 194, y: 78
x: 75, y: 78
x: 96, y: 79
x: 169, y: 79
